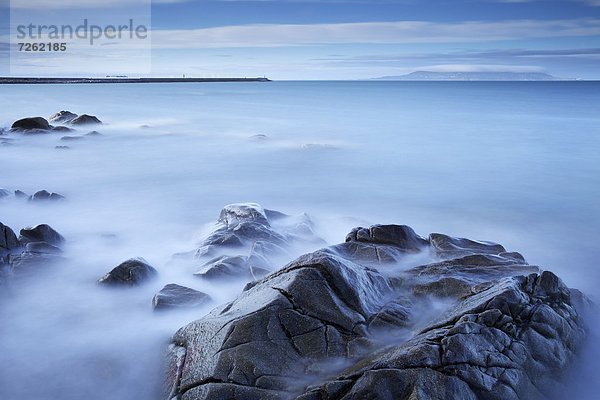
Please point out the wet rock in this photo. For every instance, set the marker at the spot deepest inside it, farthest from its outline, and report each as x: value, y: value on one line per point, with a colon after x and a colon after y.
x: 132, y: 272
x: 4, y: 193
x: 44, y: 195
x: 93, y: 133
x: 330, y: 326
x: 31, y: 124
x: 447, y: 246
x: 175, y: 296
x: 504, y: 343
x: 248, y: 239
x: 63, y: 117
x: 41, y: 233
x: 8, y: 240
x: 85, y: 119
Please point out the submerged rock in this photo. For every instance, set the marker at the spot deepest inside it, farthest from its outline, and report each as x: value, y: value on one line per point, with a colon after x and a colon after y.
x: 63, y: 117
x: 132, y: 272
x: 248, y: 240
x: 71, y: 138
x: 21, y: 194
x: 43, y: 195
x: 85, y: 119
x: 175, y: 296
x: 41, y: 233
x: 343, y: 323
x: 31, y: 124
x: 4, y: 193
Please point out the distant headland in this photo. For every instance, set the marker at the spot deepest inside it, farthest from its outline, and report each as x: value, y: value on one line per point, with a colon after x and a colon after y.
x: 16, y: 80
x: 473, y: 76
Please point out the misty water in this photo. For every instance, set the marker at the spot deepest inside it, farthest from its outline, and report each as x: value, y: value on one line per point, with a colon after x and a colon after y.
x: 515, y: 163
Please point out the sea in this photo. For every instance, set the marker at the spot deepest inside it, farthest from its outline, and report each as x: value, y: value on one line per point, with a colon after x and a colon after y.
x: 516, y: 163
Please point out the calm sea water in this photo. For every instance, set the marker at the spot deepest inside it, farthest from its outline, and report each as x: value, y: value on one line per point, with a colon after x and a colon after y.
x: 515, y: 163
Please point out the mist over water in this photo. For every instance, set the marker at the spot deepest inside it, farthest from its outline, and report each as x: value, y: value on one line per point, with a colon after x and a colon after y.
x: 515, y: 163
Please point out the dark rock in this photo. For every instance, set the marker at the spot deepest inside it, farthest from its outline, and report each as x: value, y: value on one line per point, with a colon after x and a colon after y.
x: 41, y: 233
x: 63, y: 117
x: 62, y: 147
x: 42, y: 247
x: 85, y: 119
x: 447, y: 246
x: 21, y: 195
x: 224, y: 267
x: 43, y: 195
x: 504, y: 343
x: 61, y: 129
x: 31, y: 124
x: 175, y: 296
x: 129, y: 273
x: 32, y: 262
x: 247, y: 241
x: 4, y: 193
x: 8, y: 240
x: 401, y: 236
x: 327, y: 327
x: 93, y: 133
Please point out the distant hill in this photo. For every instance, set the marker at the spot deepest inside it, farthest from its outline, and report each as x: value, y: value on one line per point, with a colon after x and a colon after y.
x: 471, y: 76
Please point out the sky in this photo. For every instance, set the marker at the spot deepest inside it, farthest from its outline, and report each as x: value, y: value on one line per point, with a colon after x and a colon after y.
x: 315, y: 39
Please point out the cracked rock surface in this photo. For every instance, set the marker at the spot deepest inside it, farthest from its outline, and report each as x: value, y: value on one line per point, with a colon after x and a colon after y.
x: 344, y: 322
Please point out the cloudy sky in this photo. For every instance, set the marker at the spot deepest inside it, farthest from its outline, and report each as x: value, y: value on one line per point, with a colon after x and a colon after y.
x: 327, y: 39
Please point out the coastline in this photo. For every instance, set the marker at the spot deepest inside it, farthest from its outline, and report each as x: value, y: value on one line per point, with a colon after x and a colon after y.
x: 37, y: 81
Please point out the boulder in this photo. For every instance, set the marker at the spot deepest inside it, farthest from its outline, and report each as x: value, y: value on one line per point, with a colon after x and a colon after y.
x: 41, y: 233
x: 8, y: 240
x: 43, y: 195
x: 63, y: 117
x: 31, y: 124
x: 175, y: 297
x: 132, y: 272
x: 85, y: 119
x: 477, y: 322
x: 247, y: 240
x: 21, y: 194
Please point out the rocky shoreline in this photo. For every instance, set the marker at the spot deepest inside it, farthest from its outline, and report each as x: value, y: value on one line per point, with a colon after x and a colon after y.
x: 349, y: 321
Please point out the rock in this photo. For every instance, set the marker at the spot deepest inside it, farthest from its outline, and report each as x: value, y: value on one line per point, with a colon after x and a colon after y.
x: 62, y: 147
x: 93, y: 133
x: 248, y: 239
x: 31, y: 124
x: 85, y: 119
x: 175, y: 296
x: 260, y: 136
x: 43, y: 195
x: 61, y: 129
x: 41, y: 233
x: 330, y: 325
x: 8, y: 240
x: 21, y: 195
x: 4, y: 193
x: 129, y: 273
x: 71, y: 138
x: 42, y: 247
x: 63, y: 117
x: 504, y: 343
x: 445, y: 245
x: 317, y: 307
